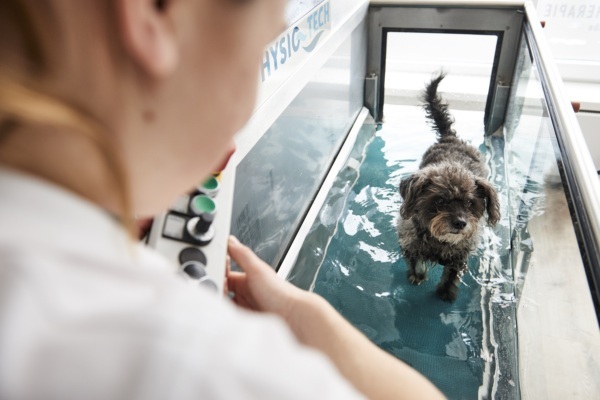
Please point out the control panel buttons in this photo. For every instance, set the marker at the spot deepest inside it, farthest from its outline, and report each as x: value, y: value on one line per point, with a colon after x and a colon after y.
x: 191, y: 234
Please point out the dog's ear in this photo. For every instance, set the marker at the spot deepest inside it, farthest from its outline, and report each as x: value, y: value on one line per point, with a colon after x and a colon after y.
x: 487, y: 192
x: 410, y: 189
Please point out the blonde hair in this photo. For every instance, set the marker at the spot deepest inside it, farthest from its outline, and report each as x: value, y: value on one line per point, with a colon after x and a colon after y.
x: 22, y: 101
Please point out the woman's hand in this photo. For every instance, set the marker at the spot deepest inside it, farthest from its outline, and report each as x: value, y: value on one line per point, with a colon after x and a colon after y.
x: 258, y: 287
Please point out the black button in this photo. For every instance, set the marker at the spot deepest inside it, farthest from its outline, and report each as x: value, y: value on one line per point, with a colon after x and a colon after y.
x: 194, y: 269
x: 192, y: 254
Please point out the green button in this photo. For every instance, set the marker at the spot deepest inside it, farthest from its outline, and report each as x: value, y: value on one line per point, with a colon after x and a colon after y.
x: 202, y: 204
x: 211, y: 184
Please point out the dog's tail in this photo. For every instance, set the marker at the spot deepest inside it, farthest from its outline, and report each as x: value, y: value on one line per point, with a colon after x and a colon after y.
x: 436, y: 110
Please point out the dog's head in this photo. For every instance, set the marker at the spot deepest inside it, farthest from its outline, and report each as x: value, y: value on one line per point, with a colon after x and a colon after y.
x: 449, y: 200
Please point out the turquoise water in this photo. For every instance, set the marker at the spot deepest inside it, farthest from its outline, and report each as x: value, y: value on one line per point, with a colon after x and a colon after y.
x: 467, y: 348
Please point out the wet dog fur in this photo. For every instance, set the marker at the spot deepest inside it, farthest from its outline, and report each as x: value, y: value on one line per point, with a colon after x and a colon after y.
x: 444, y: 202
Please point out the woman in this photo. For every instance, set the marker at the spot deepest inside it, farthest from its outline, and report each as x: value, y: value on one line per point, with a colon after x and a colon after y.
x: 109, y: 109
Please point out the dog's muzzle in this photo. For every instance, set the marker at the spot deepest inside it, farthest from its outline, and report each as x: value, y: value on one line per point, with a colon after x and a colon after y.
x: 451, y: 229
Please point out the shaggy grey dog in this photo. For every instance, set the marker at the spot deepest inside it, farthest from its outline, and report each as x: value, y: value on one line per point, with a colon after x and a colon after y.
x: 444, y: 202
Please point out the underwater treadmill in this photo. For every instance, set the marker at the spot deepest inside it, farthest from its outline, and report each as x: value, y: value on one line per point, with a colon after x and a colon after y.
x: 316, y: 176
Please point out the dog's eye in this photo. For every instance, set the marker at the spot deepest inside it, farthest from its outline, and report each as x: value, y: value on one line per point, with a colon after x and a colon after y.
x: 468, y: 203
x: 440, y: 202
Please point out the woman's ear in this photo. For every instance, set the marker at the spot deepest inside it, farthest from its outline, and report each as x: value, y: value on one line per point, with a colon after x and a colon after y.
x: 148, y: 35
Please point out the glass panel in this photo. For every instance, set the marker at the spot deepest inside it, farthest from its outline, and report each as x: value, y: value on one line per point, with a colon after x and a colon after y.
x: 278, y: 179
x: 558, y: 332
x: 529, y: 156
x: 314, y: 247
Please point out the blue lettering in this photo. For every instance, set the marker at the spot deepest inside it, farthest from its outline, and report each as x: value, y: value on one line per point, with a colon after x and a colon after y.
x: 284, y: 48
x: 274, y: 54
x: 283, y: 51
x: 266, y: 66
x: 319, y: 18
x: 295, y: 39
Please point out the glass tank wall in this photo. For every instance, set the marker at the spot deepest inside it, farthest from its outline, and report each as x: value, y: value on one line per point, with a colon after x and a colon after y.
x: 277, y: 181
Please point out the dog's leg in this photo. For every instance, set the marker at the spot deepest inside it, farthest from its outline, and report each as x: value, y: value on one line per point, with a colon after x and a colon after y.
x: 447, y: 289
x: 417, y: 271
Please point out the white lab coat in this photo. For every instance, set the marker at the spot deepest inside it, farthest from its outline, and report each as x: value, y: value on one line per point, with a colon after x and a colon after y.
x: 85, y: 314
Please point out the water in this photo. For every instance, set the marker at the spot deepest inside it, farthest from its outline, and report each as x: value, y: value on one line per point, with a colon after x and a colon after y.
x: 467, y: 348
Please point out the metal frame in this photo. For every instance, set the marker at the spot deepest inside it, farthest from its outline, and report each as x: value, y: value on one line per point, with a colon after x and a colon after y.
x: 502, y: 19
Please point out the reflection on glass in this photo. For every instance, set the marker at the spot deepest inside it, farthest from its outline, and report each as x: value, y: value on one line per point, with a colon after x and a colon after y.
x: 278, y: 179
x: 555, y: 312
x: 530, y: 158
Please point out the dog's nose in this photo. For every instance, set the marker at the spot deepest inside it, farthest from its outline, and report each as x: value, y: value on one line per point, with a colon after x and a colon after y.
x: 459, y: 223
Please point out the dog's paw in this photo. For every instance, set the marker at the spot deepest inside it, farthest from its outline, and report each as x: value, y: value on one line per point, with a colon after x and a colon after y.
x: 416, y: 278
x: 447, y: 293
